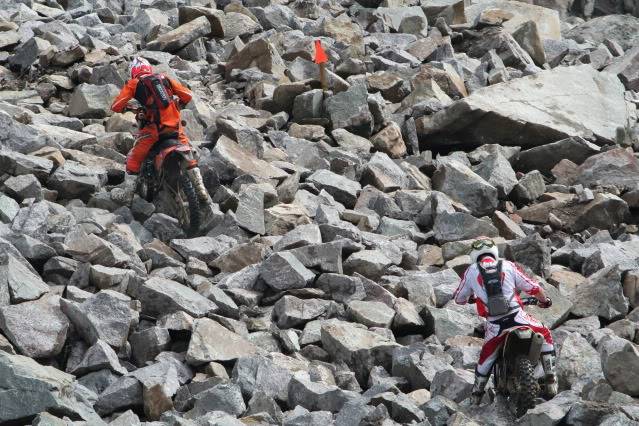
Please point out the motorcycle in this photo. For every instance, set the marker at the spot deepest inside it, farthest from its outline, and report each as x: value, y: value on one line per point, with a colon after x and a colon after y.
x: 163, y: 177
x: 518, y: 374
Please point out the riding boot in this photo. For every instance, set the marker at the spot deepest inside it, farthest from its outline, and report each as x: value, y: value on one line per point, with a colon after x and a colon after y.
x: 548, y: 363
x: 478, y: 388
x: 206, y: 203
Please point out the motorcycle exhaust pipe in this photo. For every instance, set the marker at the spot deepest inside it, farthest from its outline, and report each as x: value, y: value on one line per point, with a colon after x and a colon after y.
x: 535, y: 347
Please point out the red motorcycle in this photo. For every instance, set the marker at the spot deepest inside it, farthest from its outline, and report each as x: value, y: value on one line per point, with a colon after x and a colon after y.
x: 164, y: 181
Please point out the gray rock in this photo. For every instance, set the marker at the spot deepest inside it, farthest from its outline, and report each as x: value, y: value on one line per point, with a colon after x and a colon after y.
x: 74, y: 180
x: 601, y: 295
x: 181, y: 36
x: 577, y: 361
x: 206, y: 249
x: 212, y: 342
x: 497, y: 171
x: 545, y: 157
x: 619, y: 360
x: 461, y: 226
x: 551, y: 412
x: 601, y: 113
x: 463, y: 185
x: 619, y: 28
x: 529, y: 188
x: 92, y: 101
x: 38, y: 388
x: 614, y: 167
x: 98, y: 357
x: 284, y: 271
x: 341, y: 288
x: 342, y: 189
x: 223, y: 397
x: 532, y: 251
x: 17, y: 282
x: 291, y: 311
x: 23, y: 186
x: 105, y: 316
x: 124, y: 393
x: 270, y: 374
x: 37, y: 329
x: 317, y: 395
x: 302, y: 235
x: 8, y: 209
x: 349, y: 110
x: 371, y: 314
x: 445, y: 323
x: 454, y: 384
x: 148, y: 343
x: 250, y: 209
x: 160, y: 297
x: 359, y: 348
x: 369, y: 263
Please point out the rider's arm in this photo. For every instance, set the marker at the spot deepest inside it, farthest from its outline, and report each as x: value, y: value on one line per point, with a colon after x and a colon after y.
x: 524, y: 283
x: 184, y: 94
x: 126, y: 94
x: 464, y: 290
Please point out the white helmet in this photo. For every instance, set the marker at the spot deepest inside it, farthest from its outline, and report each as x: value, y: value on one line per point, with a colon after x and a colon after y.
x: 483, y: 246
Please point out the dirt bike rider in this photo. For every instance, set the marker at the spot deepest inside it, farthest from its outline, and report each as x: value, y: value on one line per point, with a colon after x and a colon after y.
x: 157, y: 93
x: 499, y: 303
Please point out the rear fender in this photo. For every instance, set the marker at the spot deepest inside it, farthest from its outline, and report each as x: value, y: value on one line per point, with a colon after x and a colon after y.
x: 535, y: 347
x: 517, y: 342
x: 183, y: 150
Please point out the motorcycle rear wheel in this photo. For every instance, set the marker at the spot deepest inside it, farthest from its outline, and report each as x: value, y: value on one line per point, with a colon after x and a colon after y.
x: 527, y: 386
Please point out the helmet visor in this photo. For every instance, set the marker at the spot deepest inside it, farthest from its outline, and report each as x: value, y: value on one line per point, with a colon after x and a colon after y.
x: 479, y: 244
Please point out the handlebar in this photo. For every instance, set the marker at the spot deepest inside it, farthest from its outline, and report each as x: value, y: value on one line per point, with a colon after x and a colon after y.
x: 526, y: 301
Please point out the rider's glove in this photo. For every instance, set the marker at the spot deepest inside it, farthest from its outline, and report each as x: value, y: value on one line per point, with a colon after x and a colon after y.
x: 546, y: 304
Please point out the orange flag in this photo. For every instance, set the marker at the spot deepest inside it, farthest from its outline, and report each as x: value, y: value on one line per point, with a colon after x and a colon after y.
x: 320, y: 54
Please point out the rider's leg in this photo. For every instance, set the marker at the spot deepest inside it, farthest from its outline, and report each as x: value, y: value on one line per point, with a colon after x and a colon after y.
x: 487, y: 357
x: 143, y: 144
x: 195, y: 175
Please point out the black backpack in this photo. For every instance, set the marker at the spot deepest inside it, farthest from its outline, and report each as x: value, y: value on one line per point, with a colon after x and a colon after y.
x: 156, y: 87
x: 497, y: 302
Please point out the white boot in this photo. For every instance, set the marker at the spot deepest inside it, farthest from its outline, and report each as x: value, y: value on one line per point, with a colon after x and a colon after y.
x: 548, y: 363
x: 478, y: 389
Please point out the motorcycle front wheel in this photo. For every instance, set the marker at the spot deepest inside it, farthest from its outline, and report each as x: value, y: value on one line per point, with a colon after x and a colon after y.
x: 194, y: 219
x: 527, y: 386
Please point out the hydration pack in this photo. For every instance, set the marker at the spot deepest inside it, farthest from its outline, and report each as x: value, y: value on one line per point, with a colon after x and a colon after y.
x: 497, y: 302
x: 158, y: 88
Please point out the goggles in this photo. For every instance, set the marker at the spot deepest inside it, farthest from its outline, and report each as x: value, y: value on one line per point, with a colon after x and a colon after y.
x: 478, y: 244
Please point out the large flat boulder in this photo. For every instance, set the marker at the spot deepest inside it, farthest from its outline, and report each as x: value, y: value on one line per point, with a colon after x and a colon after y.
x: 624, y: 29
x: 534, y: 110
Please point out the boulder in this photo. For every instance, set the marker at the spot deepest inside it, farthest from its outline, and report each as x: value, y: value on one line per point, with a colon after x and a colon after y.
x: 454, y: 384
x: 619, y: 28
x: 161, y: 296
x: 341, y: 188
x: 318, y: 396
x: 92, y: 101
x: 463, y: 185
x: 389, y: 140
x: 371, y: 314
x: 259, y: 53
x: 36, y: 388
x: 601, y: 295
x: 291, y: 311
x: 461, y: 226
x: 619, y: 360
x: 18, y: 283
x: 627, y: 69
x: 545, y: 157
x: 37, y: 329
x: 181, y: 36
x: 284, y: 271
x: 359, y: 348
x: 206, y: 249
x: 104, y: 316
x: 577, y: 361
x: 617, y: 167
x: 349, y: 110
x: 497, y: 171
x: 539, y: 99
x: 445, y: 323
x: 212, y: 342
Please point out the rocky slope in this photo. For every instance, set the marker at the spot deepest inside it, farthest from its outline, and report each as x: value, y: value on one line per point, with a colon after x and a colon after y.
x: 321, y: 293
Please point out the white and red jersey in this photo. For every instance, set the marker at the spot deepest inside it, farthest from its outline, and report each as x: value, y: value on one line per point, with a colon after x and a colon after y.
x: 512, y: 279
